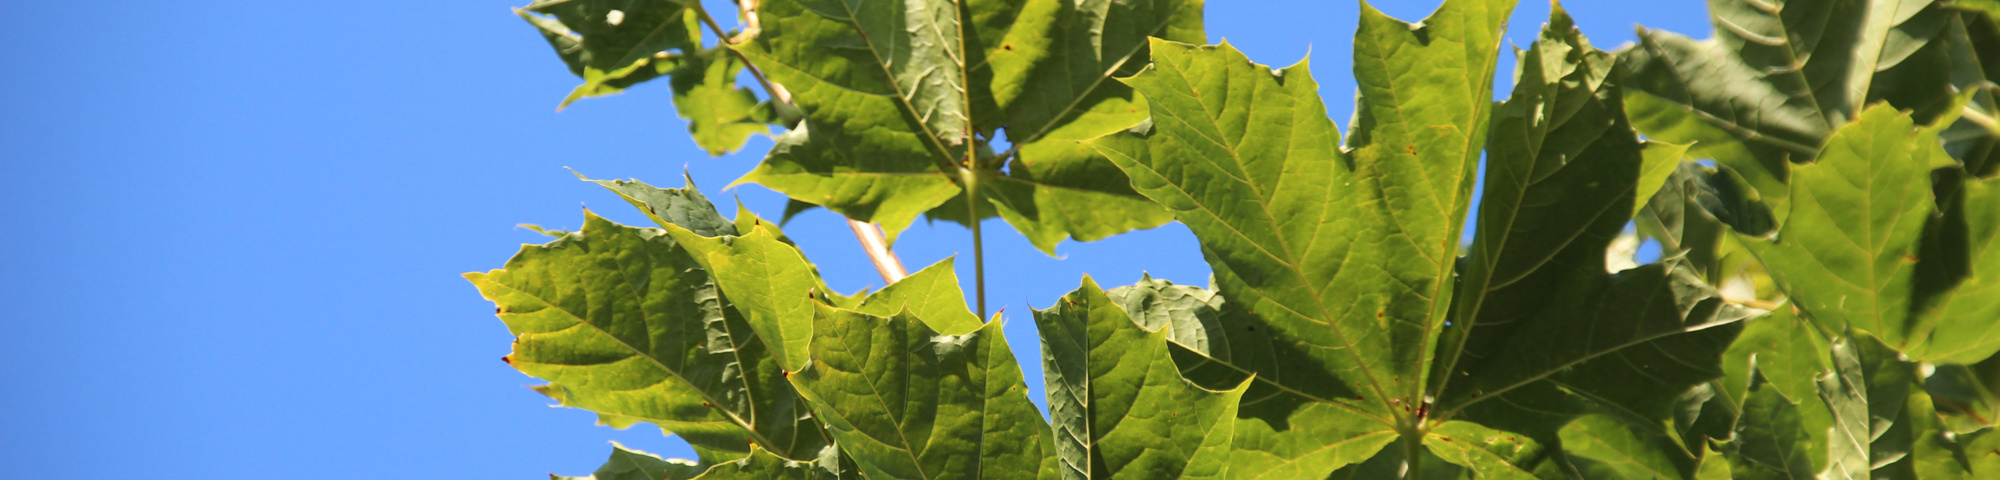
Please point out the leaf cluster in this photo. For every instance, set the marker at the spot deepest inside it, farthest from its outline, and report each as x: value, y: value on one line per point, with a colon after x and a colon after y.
x: 1818, y: 176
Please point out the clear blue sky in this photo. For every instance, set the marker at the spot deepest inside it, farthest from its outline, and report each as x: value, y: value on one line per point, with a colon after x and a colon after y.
x: 238, y: 227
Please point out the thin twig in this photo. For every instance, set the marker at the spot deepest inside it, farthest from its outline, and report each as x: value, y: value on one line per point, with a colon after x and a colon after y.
x: 878, y: 250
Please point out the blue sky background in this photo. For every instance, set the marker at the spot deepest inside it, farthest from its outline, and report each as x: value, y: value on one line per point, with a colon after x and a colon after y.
x: 238, y: 227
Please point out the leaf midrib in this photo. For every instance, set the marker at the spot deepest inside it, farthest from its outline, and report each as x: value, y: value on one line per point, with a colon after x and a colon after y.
x: 902, y: 437
x: 903, y: 98
x: 1057, y: 119
x: 1580, y: 360
x: 733, y: 418
x: 1291, y: 265
x: 1281, y: 387
x: 1442, y: 288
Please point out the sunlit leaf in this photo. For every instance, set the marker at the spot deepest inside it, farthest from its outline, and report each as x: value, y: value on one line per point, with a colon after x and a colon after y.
x: 624, y: 322
x: 1107, y: 379
x: 629, y: 464
x: 906, y: 401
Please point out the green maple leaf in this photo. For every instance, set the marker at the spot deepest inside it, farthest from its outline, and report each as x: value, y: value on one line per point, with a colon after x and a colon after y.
x: 1563, y: 174
x: 1107, y: 377
x: 1340, y: 291
x: 906, y: 401
x: 901, y: 102
x: 766, y: 466
x: 1338, y: 264
x: 624, y: 322
x: 629, y: 464
x: 1861, y: 216
x: 615, y: 44
x: 721, y: 115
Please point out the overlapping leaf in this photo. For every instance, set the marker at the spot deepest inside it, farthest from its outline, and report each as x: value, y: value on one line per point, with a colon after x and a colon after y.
x: 1692, y: 214
x: 1191, y: 316
x: 931, y: 294
x: 1484, y: 452
x: 1338, y: 263
x: 1779, y: 78
x: 1958, y: 288
x: 1967, y: 396
x: 625, y: 323
x: 762, y: 465
x: 721, y: 115
x: 769, y: 281
x: 1189, y: 163
x: 1342, y: 318
x: 906, y: 401
x: 615, y: 44
x: 1539, y: 321
x: 682, y: 207
x: 1867, y: 418
x: 901, y: 102
x: 1117, y: 400
x: 629, y: 464
x: 1283, y: 432
x: 1603, y: 446
x: 1848, y: 254
x: 1291, y: 251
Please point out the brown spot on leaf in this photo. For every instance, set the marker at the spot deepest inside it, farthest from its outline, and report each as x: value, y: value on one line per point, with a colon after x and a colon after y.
x: 1412, y: 149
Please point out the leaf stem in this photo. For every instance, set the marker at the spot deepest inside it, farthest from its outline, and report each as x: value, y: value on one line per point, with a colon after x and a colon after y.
x: 777, y: 92
x: 1413, y: 454
x: 970, y: 180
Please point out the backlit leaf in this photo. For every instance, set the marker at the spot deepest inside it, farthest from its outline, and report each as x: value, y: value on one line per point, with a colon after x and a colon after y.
x: 1107, y: 379
x: 1339, y: 262
x: 629, y: 464
x: 624, y: 322
x: 901, y: 101
x: 906, y: 401
x: 769, y: 281
x: 721, y: 115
